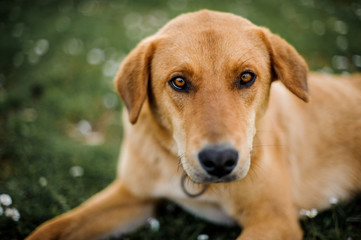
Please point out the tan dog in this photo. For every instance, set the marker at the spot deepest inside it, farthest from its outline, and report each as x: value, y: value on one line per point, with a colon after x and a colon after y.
x: 197, y: 93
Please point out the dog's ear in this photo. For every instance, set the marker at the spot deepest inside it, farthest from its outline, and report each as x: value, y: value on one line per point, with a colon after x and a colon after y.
x: 288, y: 66
x: 131, y: 81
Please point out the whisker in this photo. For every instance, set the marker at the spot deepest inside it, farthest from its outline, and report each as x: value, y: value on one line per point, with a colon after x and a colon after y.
x: 255, y: 168
x: 180, y: 166
x: 248, y: 50
x: 248, y: 60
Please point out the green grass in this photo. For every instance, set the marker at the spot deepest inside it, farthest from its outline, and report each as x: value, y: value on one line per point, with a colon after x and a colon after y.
x: 49, y: 91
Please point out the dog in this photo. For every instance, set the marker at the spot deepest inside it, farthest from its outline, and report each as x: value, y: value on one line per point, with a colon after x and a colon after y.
x: 223, y: 118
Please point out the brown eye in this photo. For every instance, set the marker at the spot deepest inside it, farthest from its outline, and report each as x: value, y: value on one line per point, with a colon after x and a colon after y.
x: 247, y: 79
x: 178, y: 83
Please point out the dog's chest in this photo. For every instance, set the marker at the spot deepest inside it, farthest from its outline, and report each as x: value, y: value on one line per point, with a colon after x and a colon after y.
x: 205, y: 206
x: 208, y: 211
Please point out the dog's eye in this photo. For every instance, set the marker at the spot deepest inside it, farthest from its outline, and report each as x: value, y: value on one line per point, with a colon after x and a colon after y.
x: 247, y: 79
x: 178, y: 83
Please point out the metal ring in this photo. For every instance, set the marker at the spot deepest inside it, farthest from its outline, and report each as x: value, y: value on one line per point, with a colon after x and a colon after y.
x: 192, y: 195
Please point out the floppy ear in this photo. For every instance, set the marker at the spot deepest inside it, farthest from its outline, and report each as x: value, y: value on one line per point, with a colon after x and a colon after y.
x: 288, y: 66
x: 131, y: 81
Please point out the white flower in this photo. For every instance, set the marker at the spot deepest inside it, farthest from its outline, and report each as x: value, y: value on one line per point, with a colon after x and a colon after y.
x: 13, y: 213
x: 313, y: 213
x: 203, y: 237
x: 154, y: 224
x: 5, y: 200
x: 43, y: 182
x: 76, y: 171
x: 85, y: 127
x: 309, y: 213
x: 333, y: 200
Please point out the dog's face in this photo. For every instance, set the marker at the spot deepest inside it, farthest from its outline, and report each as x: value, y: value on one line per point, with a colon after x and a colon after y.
x: 210, y: 86
x: 207, y: 77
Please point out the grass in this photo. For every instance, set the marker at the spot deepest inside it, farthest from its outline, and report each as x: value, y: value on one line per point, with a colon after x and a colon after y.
x: 58, y: 109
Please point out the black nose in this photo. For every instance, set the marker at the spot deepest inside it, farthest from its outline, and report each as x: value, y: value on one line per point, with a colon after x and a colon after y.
x: 218, y: 161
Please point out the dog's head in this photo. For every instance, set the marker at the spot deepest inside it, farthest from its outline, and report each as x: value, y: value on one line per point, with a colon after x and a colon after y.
x: 207, y: 77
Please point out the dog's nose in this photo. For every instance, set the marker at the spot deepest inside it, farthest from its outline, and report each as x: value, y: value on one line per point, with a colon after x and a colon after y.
x: 218, y: 161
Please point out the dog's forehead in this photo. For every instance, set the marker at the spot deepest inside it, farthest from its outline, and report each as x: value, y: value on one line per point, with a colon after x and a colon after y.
x: 209, y: 34
x: 203, y: 20
x: 209, y: 41
x: 212, y: 40
x: 208, y: 28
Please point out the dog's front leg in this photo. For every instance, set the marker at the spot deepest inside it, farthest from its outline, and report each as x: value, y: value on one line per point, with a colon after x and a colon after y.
x: 271, y: 231
x: 114, y: 210
x: 271, y: 223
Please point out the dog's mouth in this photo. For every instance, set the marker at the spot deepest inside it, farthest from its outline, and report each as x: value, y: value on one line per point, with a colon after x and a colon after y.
x: 203, y: 178
x: 199, y: 188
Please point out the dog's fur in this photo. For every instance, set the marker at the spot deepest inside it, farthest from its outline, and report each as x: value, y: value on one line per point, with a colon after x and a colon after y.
x: 292, y: 155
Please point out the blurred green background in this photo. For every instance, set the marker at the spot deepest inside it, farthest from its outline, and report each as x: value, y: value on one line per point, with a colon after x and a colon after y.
x: 60, y: 127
